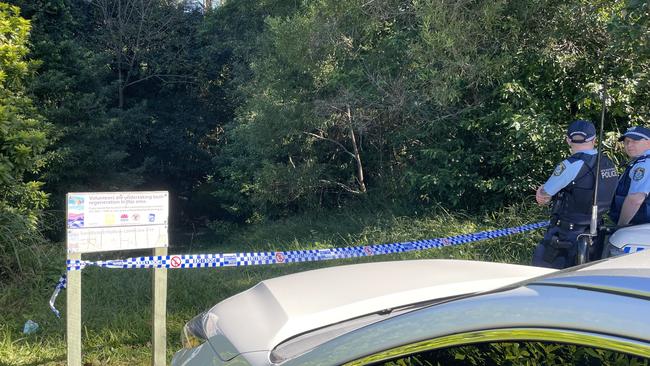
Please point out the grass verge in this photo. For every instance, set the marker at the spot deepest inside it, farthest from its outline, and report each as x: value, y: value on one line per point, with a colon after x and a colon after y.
x: 116, y: 303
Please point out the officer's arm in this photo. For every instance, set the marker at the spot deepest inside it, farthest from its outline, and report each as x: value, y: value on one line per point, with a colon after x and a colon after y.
x: 630, y: 206
x: 563, y: 175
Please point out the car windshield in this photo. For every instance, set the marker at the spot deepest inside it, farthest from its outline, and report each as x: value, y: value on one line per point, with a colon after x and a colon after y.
x: 302, y: 343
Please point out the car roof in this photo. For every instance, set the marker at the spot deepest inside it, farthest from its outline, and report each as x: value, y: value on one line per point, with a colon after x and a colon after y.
x: 281, y: 308
x: 608, y: 298
x: 627, y: 274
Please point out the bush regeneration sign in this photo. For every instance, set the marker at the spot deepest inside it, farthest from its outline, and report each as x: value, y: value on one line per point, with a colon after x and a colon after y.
x: 108, y: 221
x: 104, y: 221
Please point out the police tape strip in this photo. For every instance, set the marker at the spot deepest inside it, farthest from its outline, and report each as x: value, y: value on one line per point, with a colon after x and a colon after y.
x: 59, y: 286
x: 292, y: 256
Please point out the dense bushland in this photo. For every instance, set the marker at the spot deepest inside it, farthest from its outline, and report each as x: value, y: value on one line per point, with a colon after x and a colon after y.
x: 455, y: 102
x: 263, y: 109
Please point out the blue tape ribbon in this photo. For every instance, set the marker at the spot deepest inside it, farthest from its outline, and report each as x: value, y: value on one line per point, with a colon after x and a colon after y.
x: 292, y: 256
x: 59, y: 286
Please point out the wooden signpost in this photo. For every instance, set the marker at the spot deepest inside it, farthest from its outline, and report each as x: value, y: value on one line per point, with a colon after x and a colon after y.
x: 110, y: 221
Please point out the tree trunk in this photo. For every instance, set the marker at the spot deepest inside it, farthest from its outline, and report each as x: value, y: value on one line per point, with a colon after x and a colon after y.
x: 120, y: 88
x: 120, y: 85
x: 357, y: 155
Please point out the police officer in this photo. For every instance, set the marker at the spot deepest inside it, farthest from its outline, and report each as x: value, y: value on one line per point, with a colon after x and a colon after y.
x: 571, y: 188
x: 630, y: 205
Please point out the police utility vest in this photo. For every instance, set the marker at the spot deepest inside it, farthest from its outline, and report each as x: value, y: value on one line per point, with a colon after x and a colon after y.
x: 574, y: 202
x: 643, y: 214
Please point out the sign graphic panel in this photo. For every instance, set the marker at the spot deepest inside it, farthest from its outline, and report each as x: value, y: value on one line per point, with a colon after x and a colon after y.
x: 103, y: 221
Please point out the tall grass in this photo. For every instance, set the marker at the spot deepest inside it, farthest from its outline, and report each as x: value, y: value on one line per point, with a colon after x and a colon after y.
x: 116, y: 303
x: 20, y: 246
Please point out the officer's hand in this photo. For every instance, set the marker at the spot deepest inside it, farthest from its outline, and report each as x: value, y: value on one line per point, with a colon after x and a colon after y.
x: 542, y: 197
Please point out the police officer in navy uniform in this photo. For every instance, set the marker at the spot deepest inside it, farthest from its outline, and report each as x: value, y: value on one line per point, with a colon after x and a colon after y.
x: 630, y: 205
x: 570, y: 189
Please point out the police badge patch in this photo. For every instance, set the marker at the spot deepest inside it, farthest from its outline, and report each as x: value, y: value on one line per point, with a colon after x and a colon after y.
x: 559, y: 169
x: 638, y: 173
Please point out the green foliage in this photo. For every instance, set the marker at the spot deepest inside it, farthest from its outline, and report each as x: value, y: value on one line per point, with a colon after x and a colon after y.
x: 20, y: 246
x: 126, y: 88
x: 23, y: 139
x: 232, y: 40
x: 462, y: 103
x: 313, y: 105
x: 74, y: 92
x: 285, y: 106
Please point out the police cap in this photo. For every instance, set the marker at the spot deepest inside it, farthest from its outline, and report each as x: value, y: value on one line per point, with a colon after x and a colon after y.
x: 636, y: 133
x: 581, y: 131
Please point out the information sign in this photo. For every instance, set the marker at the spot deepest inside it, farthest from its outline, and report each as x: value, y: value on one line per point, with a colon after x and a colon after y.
x: 104, y: 221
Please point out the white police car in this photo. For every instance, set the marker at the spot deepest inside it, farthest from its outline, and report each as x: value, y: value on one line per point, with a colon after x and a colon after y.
x: 629, y: 239
x: 432, y: 312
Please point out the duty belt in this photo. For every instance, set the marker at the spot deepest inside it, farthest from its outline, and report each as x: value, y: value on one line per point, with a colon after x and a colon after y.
x: 565, y: 224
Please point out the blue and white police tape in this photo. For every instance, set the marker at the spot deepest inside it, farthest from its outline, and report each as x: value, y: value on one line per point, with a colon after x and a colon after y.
x: 292, y: 256
x: 59, y: 286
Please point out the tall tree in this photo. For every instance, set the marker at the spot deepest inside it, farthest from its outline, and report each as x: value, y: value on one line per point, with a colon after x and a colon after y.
x: 120, y: 80
x: 23, y: 139
x: 74, y: 90
x: 142, y: 38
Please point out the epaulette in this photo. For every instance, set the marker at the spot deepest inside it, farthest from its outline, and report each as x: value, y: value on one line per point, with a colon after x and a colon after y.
x: 640, y: 159
x: 572, y: 159
x: 580, y: 156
